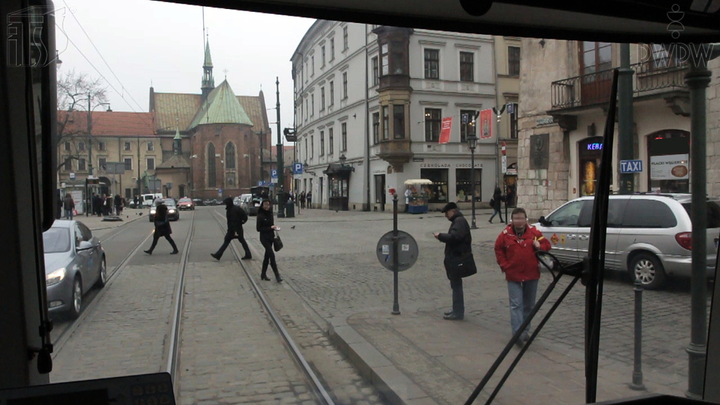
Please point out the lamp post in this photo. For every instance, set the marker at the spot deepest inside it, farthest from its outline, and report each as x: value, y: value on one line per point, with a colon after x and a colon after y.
x: 472, y: 144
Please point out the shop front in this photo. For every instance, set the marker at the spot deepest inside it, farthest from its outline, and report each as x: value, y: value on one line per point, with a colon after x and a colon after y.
x: 338, y: 185
x: 589, y: 155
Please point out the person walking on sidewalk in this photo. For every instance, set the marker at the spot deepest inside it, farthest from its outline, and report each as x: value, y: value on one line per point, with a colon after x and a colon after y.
x: 266, y: 227
x: 309, y: 199
x: 118, y: 205
x: 236, y: 217
x: 162, y: 228
x: 68, y: 206
x: 515, y: 253
x: 496, y: 203
x: 458, y: 243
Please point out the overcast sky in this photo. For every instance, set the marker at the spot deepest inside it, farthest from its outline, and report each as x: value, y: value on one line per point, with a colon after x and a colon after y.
x: 162, y: 43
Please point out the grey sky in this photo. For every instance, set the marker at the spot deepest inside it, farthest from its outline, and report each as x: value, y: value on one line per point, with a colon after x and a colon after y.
x: 145, y: 41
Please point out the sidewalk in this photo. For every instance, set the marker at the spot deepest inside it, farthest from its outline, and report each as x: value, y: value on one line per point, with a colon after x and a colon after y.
x: 96, y: 223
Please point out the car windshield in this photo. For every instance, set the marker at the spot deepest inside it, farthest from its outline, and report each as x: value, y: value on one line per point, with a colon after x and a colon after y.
x: 185, y: 200
x: 56, y: 240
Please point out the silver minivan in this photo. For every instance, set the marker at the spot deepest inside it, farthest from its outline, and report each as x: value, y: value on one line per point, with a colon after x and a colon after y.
x: 647, y: 234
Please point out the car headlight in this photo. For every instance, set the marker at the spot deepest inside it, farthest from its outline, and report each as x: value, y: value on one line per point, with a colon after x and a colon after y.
x: 152, y: 212
x: 172, y: 211
x: 55, y: 277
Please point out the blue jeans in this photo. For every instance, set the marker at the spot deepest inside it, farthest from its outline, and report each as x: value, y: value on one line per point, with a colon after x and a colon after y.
x: 457, y: 295
x: 68, y: 214
x: 522, y: 300
x: 497, y: 212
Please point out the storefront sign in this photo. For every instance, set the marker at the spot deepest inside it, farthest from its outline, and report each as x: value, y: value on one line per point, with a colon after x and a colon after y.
x: 545, y: 121
x: 448, y: 165
x: 669, y: 167
x: 595, y: 146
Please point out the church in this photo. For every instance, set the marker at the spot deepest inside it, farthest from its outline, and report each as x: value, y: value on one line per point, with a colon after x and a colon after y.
x: 221, y: 142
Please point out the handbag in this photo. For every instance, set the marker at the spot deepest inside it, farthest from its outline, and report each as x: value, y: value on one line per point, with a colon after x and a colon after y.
x: 277, y: 242
x: 460, y: 266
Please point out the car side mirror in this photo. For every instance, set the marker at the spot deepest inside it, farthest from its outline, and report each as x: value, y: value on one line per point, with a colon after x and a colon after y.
x: 84, y: 245
x: 544, y: 222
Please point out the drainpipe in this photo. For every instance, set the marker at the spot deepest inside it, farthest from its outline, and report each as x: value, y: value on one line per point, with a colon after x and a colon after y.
x: 366, y: 206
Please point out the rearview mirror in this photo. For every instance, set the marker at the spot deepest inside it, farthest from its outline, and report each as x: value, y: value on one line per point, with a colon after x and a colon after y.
x: 84, y: 245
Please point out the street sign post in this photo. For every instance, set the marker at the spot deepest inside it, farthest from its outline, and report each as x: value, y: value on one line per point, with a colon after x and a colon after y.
x: 274, y: 176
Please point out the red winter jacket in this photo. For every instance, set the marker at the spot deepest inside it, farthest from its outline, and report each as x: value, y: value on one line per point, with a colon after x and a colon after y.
x: 516, y: 256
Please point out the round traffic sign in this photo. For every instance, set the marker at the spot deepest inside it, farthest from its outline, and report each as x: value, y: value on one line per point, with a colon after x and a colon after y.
x: 407, y: 250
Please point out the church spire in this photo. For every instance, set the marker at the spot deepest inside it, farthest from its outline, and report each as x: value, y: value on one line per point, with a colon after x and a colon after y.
x: 208, y: 82
x: 177, y: 140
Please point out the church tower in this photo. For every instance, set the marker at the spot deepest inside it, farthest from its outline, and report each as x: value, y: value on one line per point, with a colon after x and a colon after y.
x: 208, y: 82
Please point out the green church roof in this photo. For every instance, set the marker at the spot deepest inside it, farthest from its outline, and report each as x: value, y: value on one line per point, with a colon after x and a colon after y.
x: 221, y: 107
x: 208, y: 59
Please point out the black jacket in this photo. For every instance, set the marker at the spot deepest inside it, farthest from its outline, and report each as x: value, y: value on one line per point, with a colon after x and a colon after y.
x: 458, y: 240
x: 162, y: 226
x: 265, y: 221
x: 236, y: 217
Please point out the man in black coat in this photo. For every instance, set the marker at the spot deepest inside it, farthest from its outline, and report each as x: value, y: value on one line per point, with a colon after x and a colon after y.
x: 458, y: 243
x: 236, y: 217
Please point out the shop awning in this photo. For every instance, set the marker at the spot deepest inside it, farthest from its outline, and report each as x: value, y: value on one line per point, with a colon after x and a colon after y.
x: 339, y: 170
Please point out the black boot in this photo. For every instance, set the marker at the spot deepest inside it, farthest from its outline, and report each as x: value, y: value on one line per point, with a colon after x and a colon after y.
x: 174, y: 246
x: 148, y: 251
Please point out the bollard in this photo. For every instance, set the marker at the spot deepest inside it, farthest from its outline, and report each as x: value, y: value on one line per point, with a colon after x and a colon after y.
x: 637, y: 377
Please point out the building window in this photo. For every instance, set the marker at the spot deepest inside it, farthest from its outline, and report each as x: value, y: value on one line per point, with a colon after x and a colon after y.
x: 150, y: 146
x: 332, y: 93
x: 322, y: 144
x: 385, y: 123
x: 322, y: 52
x: 467, y: 126
x: 230, y: 155
x: 432, y: 64
x: 514, y: 60
x: 312, y: 105
x: 385, y: 59
x: 397, y: 55
x: 332, y: 49
x: 210, y: 159
x: 432, y: 124
x: 345, y: 38
x: 81, y: 164
x: 81, y: 146
x: 102, y: 146
x: 376, y: 127
x: 128, y: 163
x: 312, y: 63
x: 312, y: 146
x: 306, y: 150
x: 438, y: 191
x: 344, y: 136
x: 102, y: 163
x: 322, y: 98
x: 150, y: 163
x: 127, y: 147
x: 68, y: 163
x: 67, y: 146
x: 399, y: 121
x: 345, y: 94
x: 330, y: 141
x: 463, y: 184
x: 307, y: 110
x: 375, y: 71
x: 467, y: 66
x: 513, y: 120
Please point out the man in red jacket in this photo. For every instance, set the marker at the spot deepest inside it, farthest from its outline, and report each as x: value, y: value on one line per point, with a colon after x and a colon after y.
x: 515, y: 252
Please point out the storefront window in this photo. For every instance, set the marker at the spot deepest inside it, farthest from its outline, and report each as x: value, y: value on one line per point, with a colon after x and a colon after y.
x: 463, y: 185
x: 669, y: 153
x: 438, y: 191
x: 590, y: 152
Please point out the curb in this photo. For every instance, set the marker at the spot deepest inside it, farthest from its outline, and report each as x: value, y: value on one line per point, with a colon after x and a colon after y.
x: 372, y: 365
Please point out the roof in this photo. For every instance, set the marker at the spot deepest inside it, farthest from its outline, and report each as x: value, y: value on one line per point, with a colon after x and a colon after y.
x: 175, y: 162
x: 111, y: 123
x: 221, y: 107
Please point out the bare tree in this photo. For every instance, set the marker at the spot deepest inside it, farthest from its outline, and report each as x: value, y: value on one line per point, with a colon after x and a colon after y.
x: 73, y: 92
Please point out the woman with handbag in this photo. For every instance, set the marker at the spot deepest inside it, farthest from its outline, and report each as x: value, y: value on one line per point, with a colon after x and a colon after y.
x: 266, y: 227
x: 162, y: 228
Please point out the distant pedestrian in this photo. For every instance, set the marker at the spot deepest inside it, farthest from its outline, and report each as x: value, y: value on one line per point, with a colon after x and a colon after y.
x: 496, y: 203
x: 118, y: 205
x: 408, y: 193
x: 309, y: 199
x: 458, y: 244
x: 266, y: 227
x: 515, y: 253
x: 302, y: 199
x: 68, y: 206
x: 236, y: 217
x: 162, y: 228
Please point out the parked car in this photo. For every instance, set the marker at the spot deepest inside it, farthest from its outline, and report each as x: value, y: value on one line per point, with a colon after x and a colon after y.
x: 186, y: 204
x: 649, y: 235
x: 244, y: 201
x: 173, y: 211
x: 74, y: 263
x: 198, y: 202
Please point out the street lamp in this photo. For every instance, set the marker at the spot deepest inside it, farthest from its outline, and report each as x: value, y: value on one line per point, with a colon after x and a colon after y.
x: 342, y: 160
x: 472, y: 144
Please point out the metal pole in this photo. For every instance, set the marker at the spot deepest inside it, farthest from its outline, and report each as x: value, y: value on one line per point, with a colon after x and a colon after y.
x: 625, y: 116
x: 637, y: 376
x: 280, y: 166
x: 396, y: 305
x: 472, y: 186
x: 89, y: 130
x: 698, y: 79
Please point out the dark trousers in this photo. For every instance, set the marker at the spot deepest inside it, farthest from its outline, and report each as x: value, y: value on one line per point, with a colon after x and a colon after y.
x: 229, y: 236
x: 269, y: 258
x: 169, y: 239
x: 457, y: 295
x: 497, y: 212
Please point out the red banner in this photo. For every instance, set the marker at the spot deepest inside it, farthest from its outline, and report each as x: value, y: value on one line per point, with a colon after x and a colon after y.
x: 445, y: 130
x: 486, y: 124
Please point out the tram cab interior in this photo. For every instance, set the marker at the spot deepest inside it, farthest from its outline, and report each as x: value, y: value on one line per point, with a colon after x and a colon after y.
x: 28, y: 112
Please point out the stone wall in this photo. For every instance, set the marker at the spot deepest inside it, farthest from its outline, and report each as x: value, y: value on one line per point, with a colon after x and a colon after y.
x: 713, y: 130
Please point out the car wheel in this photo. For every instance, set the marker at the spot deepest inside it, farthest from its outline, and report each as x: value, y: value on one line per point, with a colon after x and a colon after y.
x: 647, y: 268
x: 76, y: 299
x: 102, y: 278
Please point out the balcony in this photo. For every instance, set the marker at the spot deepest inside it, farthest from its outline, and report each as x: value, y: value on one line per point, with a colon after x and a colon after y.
x: 395, y: 151
x: 658, y: 78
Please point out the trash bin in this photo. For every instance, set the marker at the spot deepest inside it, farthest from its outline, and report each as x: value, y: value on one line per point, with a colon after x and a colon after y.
x: 289, y: 209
